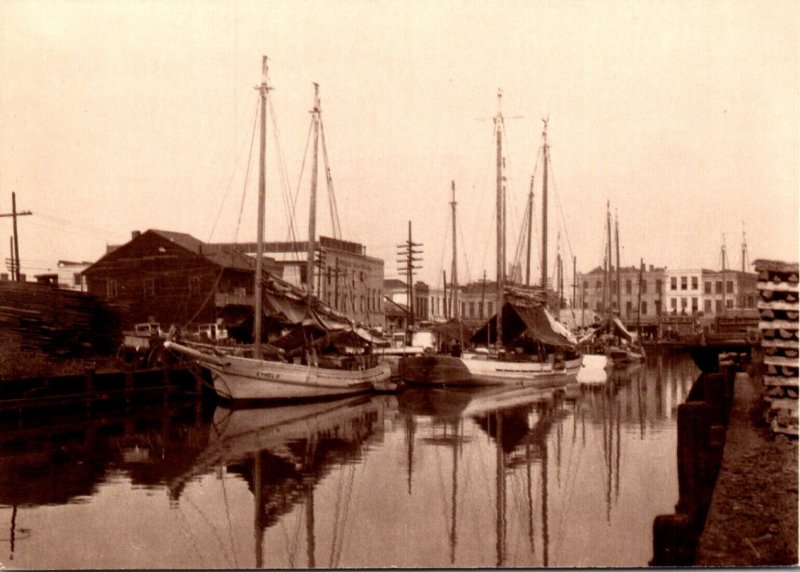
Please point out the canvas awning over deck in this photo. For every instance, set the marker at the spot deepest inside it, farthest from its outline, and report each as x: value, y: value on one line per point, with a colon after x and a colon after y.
x: 534, y: 321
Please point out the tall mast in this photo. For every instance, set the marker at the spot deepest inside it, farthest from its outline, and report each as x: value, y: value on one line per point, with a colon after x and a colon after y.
x: 744, y: 249
x: 530, y: 230
x: 639, y: 302
x: 498, y: 127
x: 574, y: 279
x: 312, y: 215
x: 454, y: 269
x: 262, y: 189
x: 544, y: 204
x: 559, y: 283
x: 724, y: 302
x: 619, y: 280
x: 608, y: 259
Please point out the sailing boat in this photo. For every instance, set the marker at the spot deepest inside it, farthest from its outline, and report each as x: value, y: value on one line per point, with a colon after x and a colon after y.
x: 531, y: 347
x: 261, y: 377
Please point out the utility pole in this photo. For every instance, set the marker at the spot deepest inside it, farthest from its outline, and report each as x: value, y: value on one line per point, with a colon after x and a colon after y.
x: 11, y: 263
x: 15, y: 263
x: 407, y: 252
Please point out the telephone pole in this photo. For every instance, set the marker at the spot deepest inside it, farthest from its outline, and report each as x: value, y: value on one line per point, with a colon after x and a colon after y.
x: 15, y: 265
x: 406, y: 259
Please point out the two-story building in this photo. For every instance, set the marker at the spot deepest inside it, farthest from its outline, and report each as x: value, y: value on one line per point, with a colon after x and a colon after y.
x: 710, y: 293
x: 593, y: 293
x: 174, y: 278
x: 345, y: 277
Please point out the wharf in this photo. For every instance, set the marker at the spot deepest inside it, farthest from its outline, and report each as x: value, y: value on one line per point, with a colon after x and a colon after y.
x: 752, y: 518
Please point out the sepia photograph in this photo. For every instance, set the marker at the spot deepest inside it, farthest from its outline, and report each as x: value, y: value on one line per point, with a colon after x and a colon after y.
x: 368, y: 284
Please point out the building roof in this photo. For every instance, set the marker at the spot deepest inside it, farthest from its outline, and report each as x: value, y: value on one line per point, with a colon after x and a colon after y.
x: 392, y: 283
x: 182, y: 239
x: 215, y: 253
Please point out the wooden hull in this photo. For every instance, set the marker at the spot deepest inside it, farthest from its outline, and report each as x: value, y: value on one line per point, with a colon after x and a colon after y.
x: 621, y: 357
x: 476, y: 369
x: 246, y: 379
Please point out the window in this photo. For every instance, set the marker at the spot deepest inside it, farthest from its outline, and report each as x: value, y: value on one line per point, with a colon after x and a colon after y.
x: 684, y: 304
x: 658, y: 307
x: 463, y: 308
x: 673, y: 303
x: 729, y: 303
x: 598, y: 307
x: 628, y: 308
x: 111, y: 288
x: 684, y: 282
x: 472, y: 309
x: 729, y: 286
x: 694, y: 283
x: 628, y: 286
x: 644, y: 286
x: 673, y: 283
x: 644, y: 308
x: 76, y: 279
x: 329, y: 275
x: 149, y: 287
x: 490, y: 308
x: 707, y: 303
x: 718, y: 306
x: 707, y: 289
x: 585, y: 284
x: 659, y: 286
x: 598, y: 285
x: 613, y: 285
x: 695, y: 307
x: 718, y: 287
x: 194, y: 285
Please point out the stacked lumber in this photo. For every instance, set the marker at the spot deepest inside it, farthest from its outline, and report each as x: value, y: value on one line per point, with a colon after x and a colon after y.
x: 778, y: 326
x: 58, y: 323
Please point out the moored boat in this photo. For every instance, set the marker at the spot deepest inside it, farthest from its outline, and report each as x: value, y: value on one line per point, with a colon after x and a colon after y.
x: 257, y: 378
x: 529, y: 345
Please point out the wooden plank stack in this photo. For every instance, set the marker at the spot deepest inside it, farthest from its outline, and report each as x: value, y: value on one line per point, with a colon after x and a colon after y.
x: 778, y: 326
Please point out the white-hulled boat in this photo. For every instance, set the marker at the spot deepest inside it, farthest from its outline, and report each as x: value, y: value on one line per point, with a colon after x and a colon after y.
x: 240, y: 378
x: 531, y: 346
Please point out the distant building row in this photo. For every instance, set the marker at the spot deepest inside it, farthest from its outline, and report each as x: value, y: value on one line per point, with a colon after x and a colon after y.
x: 173, y: 277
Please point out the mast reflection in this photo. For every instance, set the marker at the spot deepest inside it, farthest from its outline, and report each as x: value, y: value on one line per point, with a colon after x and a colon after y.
x: 284, y: 452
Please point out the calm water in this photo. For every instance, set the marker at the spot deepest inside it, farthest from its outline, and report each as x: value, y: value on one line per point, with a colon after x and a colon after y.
x: 569, y: 477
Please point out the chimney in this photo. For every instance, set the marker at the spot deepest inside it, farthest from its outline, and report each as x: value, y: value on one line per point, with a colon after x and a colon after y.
x: 651, y: 268
x: 135, y: 234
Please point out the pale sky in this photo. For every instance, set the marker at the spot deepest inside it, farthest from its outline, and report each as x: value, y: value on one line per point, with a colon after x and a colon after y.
x: 121, y: 116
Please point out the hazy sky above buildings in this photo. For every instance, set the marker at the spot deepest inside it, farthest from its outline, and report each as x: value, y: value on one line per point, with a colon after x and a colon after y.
x: 121, y: 116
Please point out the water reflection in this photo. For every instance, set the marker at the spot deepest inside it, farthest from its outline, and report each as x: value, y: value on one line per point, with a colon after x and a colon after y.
x: 284, y: 452
x: 567, y: 476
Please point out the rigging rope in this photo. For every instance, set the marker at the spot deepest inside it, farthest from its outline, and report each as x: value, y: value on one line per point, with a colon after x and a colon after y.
x: 334, y: 211
x: 289, y: 204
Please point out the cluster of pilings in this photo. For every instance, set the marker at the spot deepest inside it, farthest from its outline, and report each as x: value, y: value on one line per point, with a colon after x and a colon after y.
x: 702, y: 424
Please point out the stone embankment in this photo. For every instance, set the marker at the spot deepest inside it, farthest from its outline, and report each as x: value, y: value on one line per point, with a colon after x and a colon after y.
x: 752, y: 519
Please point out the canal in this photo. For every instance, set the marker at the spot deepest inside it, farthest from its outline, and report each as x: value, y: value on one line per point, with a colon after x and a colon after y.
x: 567, y: 477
